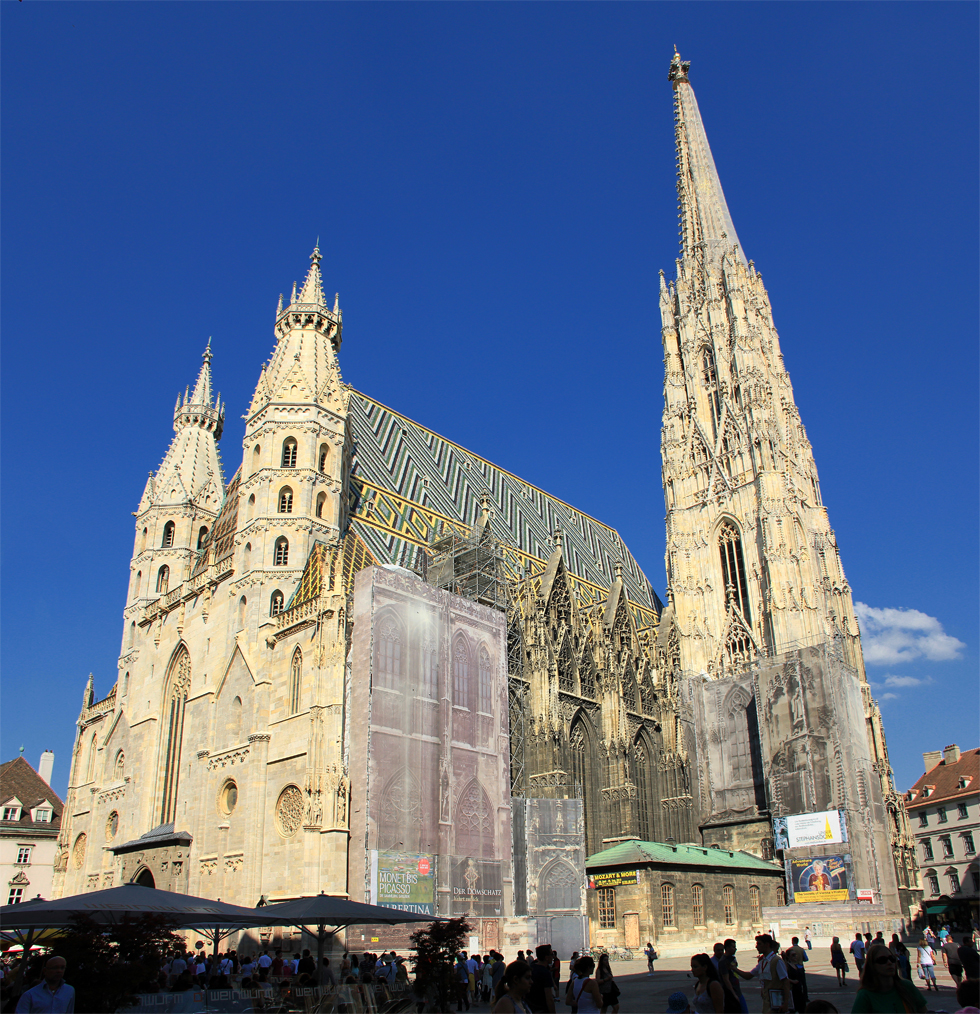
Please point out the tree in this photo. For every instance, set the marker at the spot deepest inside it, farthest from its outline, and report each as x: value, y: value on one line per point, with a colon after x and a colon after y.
x: 436, y: 947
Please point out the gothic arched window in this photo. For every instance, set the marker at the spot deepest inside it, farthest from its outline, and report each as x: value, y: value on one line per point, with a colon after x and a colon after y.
x: 321, y: 499
x: 285, y: 500
x: 561, y: 888
x: 582, y: 765
x: 711, y: 383
x: 474, y: 823
x: 296, y: 682
x: 322, y: 461
x: 486, y: 681
x: 163, y: 579
x: 168, y: 535
x: 641, y: 778
x: 566, y: 667
x: 281, y: 557
x: 247, y: 556
x: 92, y: 751
x: 461, y: 674
x: 119, y: 768
x: 250, y: 508
x: 389, y: 654
x: 201, y: 535
x: 733, y: 569
x: 400, y: 816
x: 276, y: 603
x: 430, y: 671
x: 289, y: 453
x: 178, y: 684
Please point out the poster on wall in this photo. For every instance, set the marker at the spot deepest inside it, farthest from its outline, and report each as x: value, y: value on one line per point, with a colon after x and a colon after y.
x: 613, y: 878
x: 804, y: 830
x: 818, y: 878
x: 477, y: 887
x: 405, y: 880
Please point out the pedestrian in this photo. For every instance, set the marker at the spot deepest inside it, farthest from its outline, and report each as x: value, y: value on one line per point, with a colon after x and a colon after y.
x: 806, y: 937
x: 904, y: 961
x: 730, y: 975
x: 486, y: 978
x: 677, y: 1003
x: 651, y: 956
x: 795, y: 957
x: 582, y: 993
x: 951, y: 958
x: 772, y: 972
x: 857, y: 951
x: 969, y: 958
x: 709, y: 994
x: 607, y: 985
x: 968, y: 996
x: 925, y: 960
x: 838, y: 962
x: 717, y: 953
x: 516, y: 983
x: 541, y: 996
x: 462, y: 982
x: 52, y: 993
x: 881, y: 988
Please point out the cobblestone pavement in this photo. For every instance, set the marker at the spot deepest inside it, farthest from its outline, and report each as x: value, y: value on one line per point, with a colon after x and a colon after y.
x: 643, y: 995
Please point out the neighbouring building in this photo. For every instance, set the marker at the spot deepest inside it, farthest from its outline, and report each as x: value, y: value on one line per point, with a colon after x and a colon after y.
x: 678, y: 894
x: 744, y: 698
x: 944, y: 807
x: 30, y: 822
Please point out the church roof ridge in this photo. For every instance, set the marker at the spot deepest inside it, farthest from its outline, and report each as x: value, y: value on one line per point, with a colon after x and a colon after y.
x: 626, y: 853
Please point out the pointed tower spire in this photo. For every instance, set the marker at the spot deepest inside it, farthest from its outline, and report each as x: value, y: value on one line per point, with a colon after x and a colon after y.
x: 705, y: 220
x: 202, y: 389
x: 312, y: 291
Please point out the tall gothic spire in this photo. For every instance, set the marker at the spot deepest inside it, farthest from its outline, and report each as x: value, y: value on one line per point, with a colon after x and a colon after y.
x: 191, y: 470
x: 700, y: 200
x: 312, y: 291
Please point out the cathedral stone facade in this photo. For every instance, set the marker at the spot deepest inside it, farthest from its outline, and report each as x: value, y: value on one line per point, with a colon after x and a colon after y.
x: 219, y: 761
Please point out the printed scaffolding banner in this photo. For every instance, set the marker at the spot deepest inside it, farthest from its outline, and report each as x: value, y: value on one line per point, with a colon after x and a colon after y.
x: 477, y: 887
x: 404, y: 880
x: 804, y: 830
x: 818, y: 878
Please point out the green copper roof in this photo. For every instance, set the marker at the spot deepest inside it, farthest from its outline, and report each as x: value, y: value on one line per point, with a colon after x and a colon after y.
x: 630, y: 853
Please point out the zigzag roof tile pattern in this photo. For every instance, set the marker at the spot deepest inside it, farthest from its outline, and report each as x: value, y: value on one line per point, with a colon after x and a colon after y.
x: 408, y: 483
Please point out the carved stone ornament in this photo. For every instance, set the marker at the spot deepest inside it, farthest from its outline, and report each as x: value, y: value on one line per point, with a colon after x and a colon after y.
x: 289, y: 810
x: 78, y: 851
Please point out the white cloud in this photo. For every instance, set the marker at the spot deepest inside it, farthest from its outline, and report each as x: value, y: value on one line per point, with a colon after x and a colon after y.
x: 892, y: 636
x: 888, y: 697
x: 906, y: 681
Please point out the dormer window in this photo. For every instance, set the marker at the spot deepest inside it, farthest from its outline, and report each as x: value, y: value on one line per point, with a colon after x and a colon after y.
x: 965, y: 782
x: 12, y: 809
x: 42, y: 815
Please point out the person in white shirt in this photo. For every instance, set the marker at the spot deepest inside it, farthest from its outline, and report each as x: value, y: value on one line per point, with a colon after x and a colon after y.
x: 772, y: 970
x: 264, y: 960
x: 53, y: 994
x: 926, y: 960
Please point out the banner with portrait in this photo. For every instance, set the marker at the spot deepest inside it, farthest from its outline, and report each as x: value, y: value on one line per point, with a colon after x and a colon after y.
x: 818, y: 878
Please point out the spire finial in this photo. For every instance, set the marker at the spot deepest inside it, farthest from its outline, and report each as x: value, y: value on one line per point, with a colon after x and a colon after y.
x: 312, y: 291
x: 206, y: 355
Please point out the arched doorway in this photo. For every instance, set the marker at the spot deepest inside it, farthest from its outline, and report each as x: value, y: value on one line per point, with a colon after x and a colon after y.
x: 144, y: 878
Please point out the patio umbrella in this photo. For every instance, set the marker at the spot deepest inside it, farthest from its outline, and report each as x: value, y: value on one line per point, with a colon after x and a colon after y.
x: 116, y: 904
x: 323, y: 910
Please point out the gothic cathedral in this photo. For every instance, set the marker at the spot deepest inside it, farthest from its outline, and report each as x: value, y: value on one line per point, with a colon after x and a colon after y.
x: 217, y: 764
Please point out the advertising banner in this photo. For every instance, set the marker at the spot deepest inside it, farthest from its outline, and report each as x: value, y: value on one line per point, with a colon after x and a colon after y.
x: 804, y: 830
x: 818, y: 878
x: 477, y: 887
x: 404, y: 880
x: 613, y: 878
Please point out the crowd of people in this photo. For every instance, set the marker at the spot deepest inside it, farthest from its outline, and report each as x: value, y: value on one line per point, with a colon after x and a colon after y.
x: 535, y: 984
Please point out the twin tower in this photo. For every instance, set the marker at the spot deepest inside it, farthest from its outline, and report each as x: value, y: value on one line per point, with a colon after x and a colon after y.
x: 743, y: 698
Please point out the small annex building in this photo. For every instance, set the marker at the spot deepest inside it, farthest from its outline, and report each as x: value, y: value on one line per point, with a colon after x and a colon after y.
x: 677, y: 894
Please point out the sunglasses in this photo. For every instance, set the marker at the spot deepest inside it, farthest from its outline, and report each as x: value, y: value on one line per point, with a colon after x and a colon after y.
x: 886, y: 958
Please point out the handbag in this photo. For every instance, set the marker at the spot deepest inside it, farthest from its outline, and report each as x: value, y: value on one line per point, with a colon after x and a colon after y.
x: 921, y: 972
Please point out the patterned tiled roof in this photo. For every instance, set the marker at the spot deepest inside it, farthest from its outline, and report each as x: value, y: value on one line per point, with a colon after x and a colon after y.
x: 19, y: 780
x: 944, y: 781
x: 408, y: 484
x: 629, y: 853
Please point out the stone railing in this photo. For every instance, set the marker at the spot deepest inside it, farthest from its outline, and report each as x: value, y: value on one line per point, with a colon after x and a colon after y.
x: 298, y: 614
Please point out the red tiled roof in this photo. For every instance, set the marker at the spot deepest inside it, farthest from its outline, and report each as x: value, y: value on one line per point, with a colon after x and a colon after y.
x: 944, y: 780
x: 18, y: 778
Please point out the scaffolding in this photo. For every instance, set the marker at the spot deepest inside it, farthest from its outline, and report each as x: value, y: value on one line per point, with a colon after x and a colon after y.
x: 470, y: 563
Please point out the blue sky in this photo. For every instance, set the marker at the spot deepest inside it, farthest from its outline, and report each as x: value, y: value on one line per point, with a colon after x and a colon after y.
x: 493, y: 188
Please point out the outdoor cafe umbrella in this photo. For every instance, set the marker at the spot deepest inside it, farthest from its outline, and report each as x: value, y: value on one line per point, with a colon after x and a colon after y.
x: 323, y: 910
x: 117, y: 904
